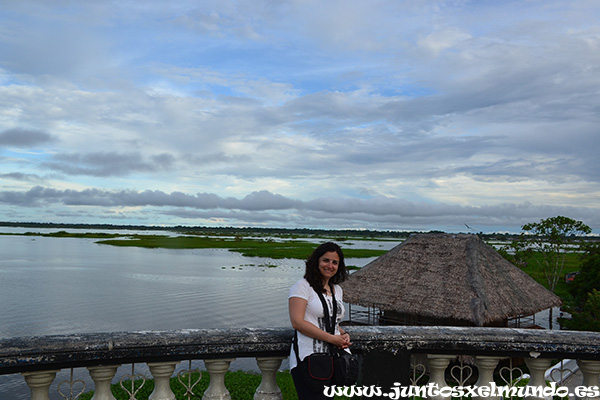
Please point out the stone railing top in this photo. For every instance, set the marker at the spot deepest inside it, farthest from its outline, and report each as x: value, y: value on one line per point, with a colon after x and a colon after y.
x: 477, y: 340
x: 63, y: 351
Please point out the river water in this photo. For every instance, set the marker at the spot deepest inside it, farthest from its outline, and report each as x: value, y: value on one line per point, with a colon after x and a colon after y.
x: 54, y: 286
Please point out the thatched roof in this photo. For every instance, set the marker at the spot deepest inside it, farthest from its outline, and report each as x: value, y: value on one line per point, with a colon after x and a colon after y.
x: 455, y: 277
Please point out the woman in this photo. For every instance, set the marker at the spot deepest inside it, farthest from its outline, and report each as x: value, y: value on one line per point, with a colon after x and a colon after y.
x: 325, y: 268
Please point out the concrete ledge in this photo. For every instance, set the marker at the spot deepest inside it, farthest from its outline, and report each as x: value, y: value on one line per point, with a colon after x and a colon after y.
x: 479, y: 341
x: 65, y: 351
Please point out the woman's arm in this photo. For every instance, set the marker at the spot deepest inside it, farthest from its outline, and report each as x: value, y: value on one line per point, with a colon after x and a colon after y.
x: 297, y: 308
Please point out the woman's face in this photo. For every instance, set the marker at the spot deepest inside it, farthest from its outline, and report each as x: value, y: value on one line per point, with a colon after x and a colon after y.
x: 328, y: 264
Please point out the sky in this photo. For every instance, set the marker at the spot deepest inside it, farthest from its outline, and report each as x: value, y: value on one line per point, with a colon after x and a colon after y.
x: 419, y: 115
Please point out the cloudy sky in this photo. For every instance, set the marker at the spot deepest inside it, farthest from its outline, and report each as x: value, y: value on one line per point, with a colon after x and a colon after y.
x: 382, y: 114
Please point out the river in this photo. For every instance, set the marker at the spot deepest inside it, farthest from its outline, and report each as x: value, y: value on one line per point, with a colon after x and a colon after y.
x: 54, y: 286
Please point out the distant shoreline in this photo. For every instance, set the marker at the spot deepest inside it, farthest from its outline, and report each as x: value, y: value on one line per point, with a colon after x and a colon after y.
x: 208, y: 229
x: 334, y: 234
x: 245, y: 231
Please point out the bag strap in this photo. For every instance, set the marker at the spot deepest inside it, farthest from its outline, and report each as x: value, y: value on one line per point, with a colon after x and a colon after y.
x: 295, y: 343
x: 329, y: 321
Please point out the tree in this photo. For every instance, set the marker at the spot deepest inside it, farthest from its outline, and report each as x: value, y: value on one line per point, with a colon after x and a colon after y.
x: 547, y: 242
x: 588, y: 277
x: 588, y: 318
x: 585, y: 288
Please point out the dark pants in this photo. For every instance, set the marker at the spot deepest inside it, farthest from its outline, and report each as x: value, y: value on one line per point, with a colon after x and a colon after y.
x: 304, y: 393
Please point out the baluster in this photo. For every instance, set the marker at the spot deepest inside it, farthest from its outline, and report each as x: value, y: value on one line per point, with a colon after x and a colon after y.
x: 39, y: 383
x: 486, y: 367
x: 162, y: 372
x: 268, y: 389
x: 537, y: 370
x: 216, y: 388
x: 102, y: 376
x: 437, y: 371
x: 591, y: 373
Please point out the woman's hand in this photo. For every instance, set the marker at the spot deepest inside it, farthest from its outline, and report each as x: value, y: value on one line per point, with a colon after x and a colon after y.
x: 346, y: 336
x: 297, y: 308
x: 341, y: 341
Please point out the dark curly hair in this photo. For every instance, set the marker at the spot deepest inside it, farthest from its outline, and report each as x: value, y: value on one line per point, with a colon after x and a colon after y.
x: 312, y: 273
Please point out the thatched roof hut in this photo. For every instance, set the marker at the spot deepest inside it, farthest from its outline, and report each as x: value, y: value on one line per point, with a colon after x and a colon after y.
x: 442, y: 279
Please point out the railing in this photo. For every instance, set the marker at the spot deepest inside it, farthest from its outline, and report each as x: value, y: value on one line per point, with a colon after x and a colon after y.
x: 389, y: 355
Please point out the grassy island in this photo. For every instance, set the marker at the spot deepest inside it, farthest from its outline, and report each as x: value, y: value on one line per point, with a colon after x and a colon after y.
x: 247, y: 247
x: 268, y: 247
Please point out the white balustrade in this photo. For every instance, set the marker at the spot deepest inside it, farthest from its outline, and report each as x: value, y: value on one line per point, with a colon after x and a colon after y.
x: 485, y: 368
x: 216, y: 388
x: 102, y: 376
x: 437, y: 371
x: 537, y: 371
x: 162, y: 372
x: 39, y: 383
x: 591, y: 373
x: 268, y: 389
x: 538, y: 348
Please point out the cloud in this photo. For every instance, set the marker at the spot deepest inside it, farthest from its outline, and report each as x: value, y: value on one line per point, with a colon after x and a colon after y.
x: 216, y: 158
x: 19, y: 176
x: 107, y: 164
x: 24, y: 138
x: 342, y: 112
x: 269, y: 208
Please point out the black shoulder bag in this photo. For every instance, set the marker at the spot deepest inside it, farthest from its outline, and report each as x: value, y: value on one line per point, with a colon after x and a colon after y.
x: 345, y: 364
x: 335, y: 367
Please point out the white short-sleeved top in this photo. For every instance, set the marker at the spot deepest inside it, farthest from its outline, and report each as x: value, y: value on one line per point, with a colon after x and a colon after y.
x: 315, y: 315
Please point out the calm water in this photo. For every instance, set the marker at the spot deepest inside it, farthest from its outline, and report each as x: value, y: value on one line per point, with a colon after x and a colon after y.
x: 67, y: 285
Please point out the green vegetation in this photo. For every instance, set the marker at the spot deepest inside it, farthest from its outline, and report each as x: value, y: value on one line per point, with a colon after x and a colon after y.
x: 585, y: 290
x: 546, y: 244
x: 586, y: 315
x: 589, y: 275
x: 551, y: 240
x: 550, y: 249
x: 247, y: 247
x: 241, y: 385
x: 529, y: 265
x: 268, y: 248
